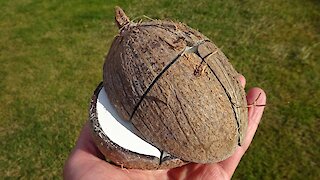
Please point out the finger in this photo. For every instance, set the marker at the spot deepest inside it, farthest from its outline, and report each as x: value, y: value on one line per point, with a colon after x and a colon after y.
x: 242, y: 80
x: 84, y: 152
x: 254, y: 116
x: 86, y: 143
x: 257, y: 96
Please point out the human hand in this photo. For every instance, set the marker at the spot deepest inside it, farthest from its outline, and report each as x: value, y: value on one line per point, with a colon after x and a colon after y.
x: 86, y: 161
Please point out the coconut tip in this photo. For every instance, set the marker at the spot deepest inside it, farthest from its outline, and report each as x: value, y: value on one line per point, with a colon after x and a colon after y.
x: 120, y: 17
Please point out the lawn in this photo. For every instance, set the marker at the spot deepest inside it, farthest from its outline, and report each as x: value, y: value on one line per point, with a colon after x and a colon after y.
x: 51, y: 56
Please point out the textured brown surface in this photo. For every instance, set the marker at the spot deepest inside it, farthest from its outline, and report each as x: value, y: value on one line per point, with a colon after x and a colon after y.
x: 227, y: 76
x: 137, y: 56
x: 183, y: 117
x: 187, y: 102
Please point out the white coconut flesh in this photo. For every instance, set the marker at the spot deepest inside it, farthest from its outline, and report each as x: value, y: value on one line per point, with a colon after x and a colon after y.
x: 120, y: 131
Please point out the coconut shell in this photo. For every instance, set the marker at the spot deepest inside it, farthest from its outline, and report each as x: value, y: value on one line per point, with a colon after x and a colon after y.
x: 177, y: 88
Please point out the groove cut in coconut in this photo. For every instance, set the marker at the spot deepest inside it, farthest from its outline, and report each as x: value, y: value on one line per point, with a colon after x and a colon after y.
x: 117, y: 140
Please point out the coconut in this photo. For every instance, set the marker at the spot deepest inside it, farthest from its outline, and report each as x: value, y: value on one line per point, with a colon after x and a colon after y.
x: 169, y: 96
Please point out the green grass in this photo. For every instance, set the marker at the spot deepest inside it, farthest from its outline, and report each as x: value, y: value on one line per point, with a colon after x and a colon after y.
x: 51, y: 56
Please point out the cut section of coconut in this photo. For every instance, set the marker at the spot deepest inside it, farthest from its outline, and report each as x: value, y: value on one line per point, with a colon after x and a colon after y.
x: 116, y: 138
x: 120, y: 131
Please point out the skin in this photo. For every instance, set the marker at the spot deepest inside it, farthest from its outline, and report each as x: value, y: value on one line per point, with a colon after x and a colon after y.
x: 86, y: 162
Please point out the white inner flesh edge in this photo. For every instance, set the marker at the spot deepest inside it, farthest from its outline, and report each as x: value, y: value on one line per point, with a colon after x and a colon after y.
x: 120, y: 131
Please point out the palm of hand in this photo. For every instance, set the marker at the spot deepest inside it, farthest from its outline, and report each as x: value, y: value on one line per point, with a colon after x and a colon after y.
x: 86, y: 162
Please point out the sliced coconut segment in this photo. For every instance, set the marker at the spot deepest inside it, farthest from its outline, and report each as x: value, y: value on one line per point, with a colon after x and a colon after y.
x: 120, y: 131
x: 114, y: 138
